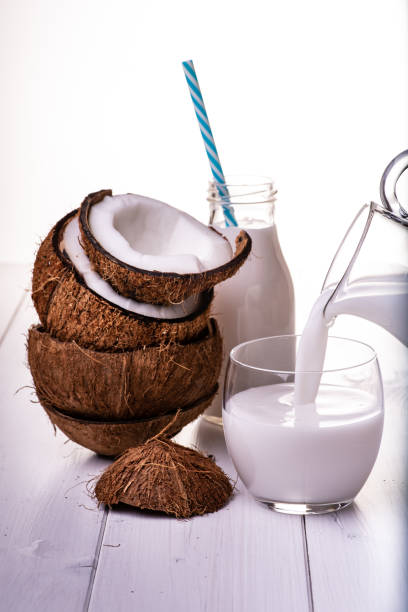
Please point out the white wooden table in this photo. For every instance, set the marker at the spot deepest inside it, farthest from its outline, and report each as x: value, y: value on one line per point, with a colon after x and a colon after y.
x: 59, y: 552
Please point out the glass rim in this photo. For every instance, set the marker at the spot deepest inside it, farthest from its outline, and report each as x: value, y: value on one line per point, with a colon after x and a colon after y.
x: 245, y: 180
x: 261, y: 190
x: 236, y: 361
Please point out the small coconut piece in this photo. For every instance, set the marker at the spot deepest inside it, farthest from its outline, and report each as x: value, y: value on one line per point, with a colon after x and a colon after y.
x: 71, y: 311
x: 111, y: 438
x: 139, y: 268
x: 142, y: 383
x: 163, y: 476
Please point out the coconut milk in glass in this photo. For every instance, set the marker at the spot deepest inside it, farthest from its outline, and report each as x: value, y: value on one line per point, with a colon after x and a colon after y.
x: 259, y: 300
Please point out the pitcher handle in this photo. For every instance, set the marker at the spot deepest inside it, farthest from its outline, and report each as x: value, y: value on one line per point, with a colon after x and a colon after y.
x: 389, y: 181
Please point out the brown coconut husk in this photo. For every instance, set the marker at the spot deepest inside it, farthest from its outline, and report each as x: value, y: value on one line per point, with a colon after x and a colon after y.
x: 142, y: 383
x: 48, y: 270
x: 154, y: 287
x: 70, y: 311
x: 166, y: 477
x: 111, y: 438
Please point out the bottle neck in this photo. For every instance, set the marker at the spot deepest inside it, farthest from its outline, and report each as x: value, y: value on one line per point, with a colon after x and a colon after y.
x: 251, y: 204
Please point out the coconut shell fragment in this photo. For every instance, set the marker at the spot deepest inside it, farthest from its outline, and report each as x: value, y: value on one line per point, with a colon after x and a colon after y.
x: 111, y: 438
x: 70, y: 311
x: 153, y: 287
x: 140, y: 383
x: 163, y: 476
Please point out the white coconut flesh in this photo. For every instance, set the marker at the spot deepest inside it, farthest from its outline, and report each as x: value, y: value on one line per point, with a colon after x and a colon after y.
x: 72, y: 246
x: 151, y: 235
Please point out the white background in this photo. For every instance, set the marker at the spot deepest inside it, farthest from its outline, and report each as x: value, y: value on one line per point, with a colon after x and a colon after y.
x: 314, y: 94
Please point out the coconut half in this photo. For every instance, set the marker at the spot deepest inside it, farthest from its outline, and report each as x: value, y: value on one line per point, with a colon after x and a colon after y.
x: 150, y: 235
x: 71, y: 311
x: 142, y: 383
x: 166, y: 477
x: 112, y: 438
x: 71, y: 245
x: 152, y: 252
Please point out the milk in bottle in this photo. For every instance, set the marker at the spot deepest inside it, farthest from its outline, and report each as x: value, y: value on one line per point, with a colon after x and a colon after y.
x: 259, y: 300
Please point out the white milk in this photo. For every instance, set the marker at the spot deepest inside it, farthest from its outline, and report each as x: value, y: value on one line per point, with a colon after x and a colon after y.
x: 258, y: 301
x: 381, y: 299
x: 323, y: 454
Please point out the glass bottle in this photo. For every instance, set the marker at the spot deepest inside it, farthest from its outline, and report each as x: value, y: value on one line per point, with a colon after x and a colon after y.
x: 259, y: 300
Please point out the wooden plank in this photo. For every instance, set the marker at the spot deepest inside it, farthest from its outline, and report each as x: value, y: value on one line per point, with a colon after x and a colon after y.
x: 48, y: 536
x: 358, y: 556
x: 242, y: 558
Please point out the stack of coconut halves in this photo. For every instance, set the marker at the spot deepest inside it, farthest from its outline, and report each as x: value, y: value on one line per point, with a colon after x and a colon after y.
x: 123, y: 289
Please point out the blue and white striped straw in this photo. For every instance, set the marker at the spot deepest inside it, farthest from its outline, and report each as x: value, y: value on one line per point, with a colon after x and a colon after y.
x: 209, y: 143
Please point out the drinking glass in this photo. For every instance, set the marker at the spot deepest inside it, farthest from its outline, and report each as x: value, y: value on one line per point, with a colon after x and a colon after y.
x: 309, y: 458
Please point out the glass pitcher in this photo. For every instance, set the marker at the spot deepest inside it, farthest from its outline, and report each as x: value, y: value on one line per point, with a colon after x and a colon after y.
x: 368, y: 276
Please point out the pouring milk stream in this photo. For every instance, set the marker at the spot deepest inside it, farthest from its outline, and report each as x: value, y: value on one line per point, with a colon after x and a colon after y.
x: 382, y: 300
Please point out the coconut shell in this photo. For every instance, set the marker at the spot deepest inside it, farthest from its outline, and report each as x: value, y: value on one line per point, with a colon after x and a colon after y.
x: 142, y: 383
x: 47, y: 273
x: 163, y: 476
x: 70, y: 311
x: 153, y: 287
x: 111, y: 438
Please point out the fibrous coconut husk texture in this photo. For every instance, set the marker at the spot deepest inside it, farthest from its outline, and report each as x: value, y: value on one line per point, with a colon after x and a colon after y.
x: 48, y: 271
x: 142, y: 383
x: 111, y: 438
x: 70, y: 311
x: 154, y: 287
x: 164, y: 476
